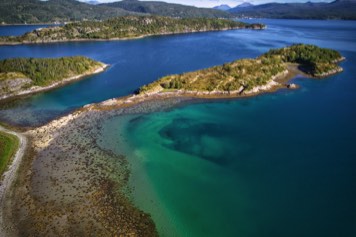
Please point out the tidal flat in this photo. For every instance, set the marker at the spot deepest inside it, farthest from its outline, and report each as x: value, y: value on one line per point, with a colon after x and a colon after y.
x: 73, y: 186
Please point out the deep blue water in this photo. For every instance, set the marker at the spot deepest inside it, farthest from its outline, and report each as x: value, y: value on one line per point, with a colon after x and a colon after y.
x: 281, y: 164
x: 137, y: 62
x: 133, y: 63
x: 7, y: 30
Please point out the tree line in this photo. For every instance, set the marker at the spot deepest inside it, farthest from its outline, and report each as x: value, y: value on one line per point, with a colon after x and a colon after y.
x: 44, y: 71
x: 127, y: 27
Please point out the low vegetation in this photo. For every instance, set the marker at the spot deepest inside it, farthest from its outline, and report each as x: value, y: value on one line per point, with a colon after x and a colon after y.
x: 125, y: 27
x: 243, y: 75
x: 11, y: 75
x: 8, y: 148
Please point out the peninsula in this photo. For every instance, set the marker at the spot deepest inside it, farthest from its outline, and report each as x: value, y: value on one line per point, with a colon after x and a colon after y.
x: 250, y: 76
x: 21, y: 76
x: 128, y: 27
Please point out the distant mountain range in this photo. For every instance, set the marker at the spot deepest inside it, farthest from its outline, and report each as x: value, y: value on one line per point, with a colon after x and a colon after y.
x: 225, y: 7
x: 245, y: 4
x: 166, y: 9
x: 339, y: 9
x: 36, y: 11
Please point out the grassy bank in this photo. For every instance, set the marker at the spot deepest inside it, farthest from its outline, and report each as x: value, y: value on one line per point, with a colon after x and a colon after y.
x: 8, y: 147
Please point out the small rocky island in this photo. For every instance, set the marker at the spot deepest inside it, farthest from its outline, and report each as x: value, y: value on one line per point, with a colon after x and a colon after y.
x: 20, y: 76
x: 127, y: 27
x: 251, y: 76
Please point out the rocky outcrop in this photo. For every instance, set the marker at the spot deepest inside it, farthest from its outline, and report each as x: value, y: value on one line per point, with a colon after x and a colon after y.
x: 257, y: 89
x: 13, y: 85
x: 292, y: 86
x: 329, y: 73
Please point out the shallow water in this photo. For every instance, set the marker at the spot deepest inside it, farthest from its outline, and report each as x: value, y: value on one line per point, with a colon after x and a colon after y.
x: 280, y: 164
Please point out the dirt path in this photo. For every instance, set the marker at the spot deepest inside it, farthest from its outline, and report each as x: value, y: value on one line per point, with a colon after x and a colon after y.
x: 10, y: 175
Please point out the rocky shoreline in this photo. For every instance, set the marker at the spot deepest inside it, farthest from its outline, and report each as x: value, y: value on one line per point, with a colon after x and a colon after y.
x: 330, y: 73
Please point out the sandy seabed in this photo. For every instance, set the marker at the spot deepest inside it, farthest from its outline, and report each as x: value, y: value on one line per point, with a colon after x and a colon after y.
x: 69, y: 186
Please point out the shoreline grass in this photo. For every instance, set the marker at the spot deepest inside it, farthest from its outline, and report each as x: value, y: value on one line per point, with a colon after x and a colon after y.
x: 8, y: 147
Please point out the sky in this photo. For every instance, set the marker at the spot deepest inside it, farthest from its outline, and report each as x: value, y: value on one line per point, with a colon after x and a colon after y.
x: 212, y: 3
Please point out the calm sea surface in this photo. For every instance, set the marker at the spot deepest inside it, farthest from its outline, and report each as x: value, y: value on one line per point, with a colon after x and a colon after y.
x: 281, y: 164
x: 6, y: 30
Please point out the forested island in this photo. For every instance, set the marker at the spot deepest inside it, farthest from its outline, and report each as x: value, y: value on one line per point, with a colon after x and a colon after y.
x: 125, y: 28
x: 248, y: 76
x: 19, y: 76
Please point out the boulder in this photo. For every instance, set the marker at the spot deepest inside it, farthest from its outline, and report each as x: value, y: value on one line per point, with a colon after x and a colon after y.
x: 292, y: 86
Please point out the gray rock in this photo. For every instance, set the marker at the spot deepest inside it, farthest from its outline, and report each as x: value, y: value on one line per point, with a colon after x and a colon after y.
x: 292, y: 86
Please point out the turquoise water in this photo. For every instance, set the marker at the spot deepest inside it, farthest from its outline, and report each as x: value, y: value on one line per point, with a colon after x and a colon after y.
x: 280, y: 164
x: 275, y: 165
